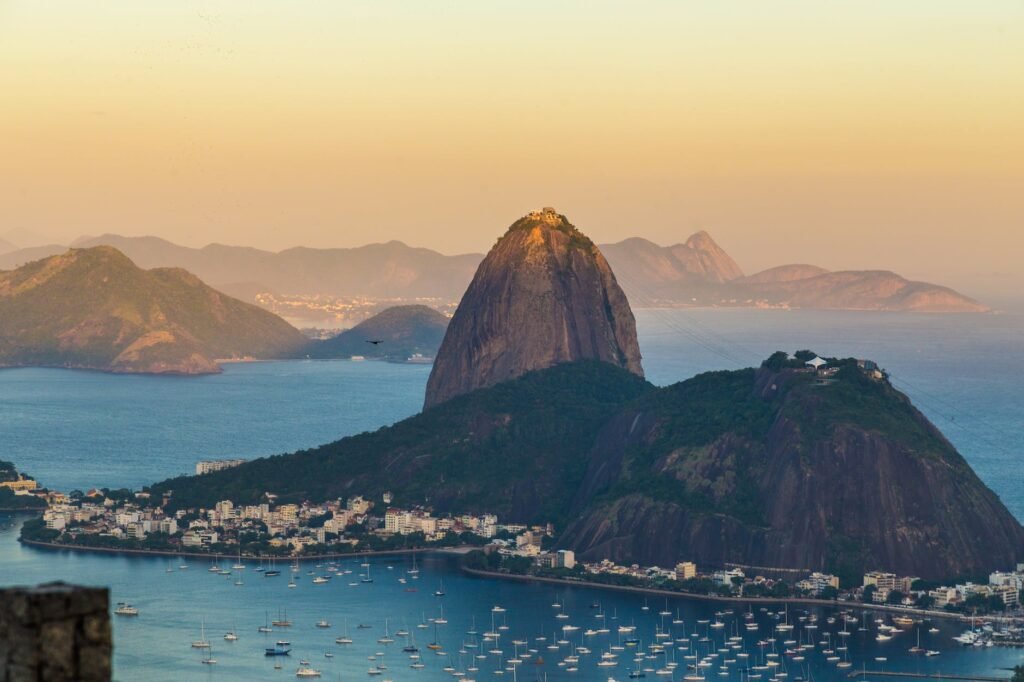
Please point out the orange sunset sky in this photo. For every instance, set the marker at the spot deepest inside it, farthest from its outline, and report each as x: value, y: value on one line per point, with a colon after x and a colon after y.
x: 848, y: 134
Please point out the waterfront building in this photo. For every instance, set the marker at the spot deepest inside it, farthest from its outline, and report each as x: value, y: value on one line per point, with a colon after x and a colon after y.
x: 725, y: 578
x: 885, y: 583
x: 1015, y: 580
x: 686, y: 570
x: 816, y: 583
x: 944, y: 596
x: 20, y: 486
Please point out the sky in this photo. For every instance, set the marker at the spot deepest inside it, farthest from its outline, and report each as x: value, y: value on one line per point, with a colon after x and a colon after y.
x: 862, y: 134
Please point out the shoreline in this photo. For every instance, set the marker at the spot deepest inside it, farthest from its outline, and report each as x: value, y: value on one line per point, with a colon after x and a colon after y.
x: 716, y: 598
x: 39, y: 544
x: 462, y: 549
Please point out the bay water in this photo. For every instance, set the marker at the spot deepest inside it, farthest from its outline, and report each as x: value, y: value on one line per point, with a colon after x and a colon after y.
x: 74, y: 429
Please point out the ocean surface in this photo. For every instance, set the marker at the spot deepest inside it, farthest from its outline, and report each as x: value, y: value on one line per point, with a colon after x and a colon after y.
x: 75, y: 429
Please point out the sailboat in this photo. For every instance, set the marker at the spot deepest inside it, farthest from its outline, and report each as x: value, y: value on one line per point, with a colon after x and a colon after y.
x: 282, y: 621
x: 413, y: 571
x: 366, y: 578
x: 209, y: 659
x: 230, y: 636
x: 344, y: 639
x: 411, y: 647
x: 435, y: 645
x: 386, y: 639
x: 202, y: 642
x: 239, y: 566
x: 917, y: 648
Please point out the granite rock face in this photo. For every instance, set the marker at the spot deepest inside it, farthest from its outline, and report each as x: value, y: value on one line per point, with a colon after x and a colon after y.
x: 55, y: 633
x: 543, y: 295
x: 842, y: 478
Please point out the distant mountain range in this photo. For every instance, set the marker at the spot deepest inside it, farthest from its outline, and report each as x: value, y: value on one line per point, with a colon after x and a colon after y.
x: 95, y: 309
x: 697, y: 272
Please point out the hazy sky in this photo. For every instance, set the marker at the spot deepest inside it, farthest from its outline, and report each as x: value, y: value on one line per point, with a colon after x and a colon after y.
x: 849, y: 134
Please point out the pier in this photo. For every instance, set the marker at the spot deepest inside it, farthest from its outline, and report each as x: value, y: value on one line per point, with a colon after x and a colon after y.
x: 926, y: 676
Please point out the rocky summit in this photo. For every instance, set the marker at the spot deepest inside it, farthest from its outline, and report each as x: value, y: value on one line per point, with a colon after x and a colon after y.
x: 544, y: 295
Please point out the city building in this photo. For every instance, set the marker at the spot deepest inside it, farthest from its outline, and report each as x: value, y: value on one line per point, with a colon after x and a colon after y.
x: 686, y: 570
x: 208, y: 466
x: 816, y: 583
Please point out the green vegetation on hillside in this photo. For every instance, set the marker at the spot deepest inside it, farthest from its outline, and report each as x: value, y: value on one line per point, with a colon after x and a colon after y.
x: 739, y: 466
x: 516, y: 449
x: 697, y: 413
x: 93, y: 308
x: 477, y: 451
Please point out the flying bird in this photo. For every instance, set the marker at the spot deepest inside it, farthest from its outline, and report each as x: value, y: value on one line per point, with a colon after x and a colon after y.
x: 374, y: 342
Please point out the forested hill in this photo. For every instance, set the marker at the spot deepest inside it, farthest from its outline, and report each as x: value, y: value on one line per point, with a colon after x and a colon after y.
x: 775, y: 466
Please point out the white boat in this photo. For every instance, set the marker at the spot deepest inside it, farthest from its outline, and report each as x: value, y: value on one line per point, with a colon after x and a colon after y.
x: 386, y: 639
x: 126, y: 609
x: 307, y: 672
x: 344, y: 639
x: 202, y: 642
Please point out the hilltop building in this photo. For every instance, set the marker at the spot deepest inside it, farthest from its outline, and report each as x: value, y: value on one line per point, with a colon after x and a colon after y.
x: 208, y: 466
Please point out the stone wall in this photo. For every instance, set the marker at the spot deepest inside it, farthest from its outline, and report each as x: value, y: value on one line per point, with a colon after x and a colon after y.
x: 55, y: 633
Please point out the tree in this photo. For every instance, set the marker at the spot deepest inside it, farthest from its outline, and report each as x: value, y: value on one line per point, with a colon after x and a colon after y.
x: 1018, y: 673
x: 996, y: 603
x: 975, y: 602
x: 830, y: 593
x: 895, y: 597
x: 869, y: 593
x: 778, y: 360
x: 924, y: 602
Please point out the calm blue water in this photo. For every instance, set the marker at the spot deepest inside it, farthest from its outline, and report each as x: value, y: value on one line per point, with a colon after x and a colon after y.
x: 86, y: 429
x: 80, y: 429
x: 174, y: 605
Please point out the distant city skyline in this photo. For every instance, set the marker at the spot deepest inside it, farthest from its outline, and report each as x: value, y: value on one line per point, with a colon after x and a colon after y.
x: 848, y: 135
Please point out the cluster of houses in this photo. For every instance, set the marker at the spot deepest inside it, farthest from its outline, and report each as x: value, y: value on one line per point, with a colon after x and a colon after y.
x: 289, y: 527
x: 734, y: 579
x: 878, y: 587
x: 1004, y: 586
